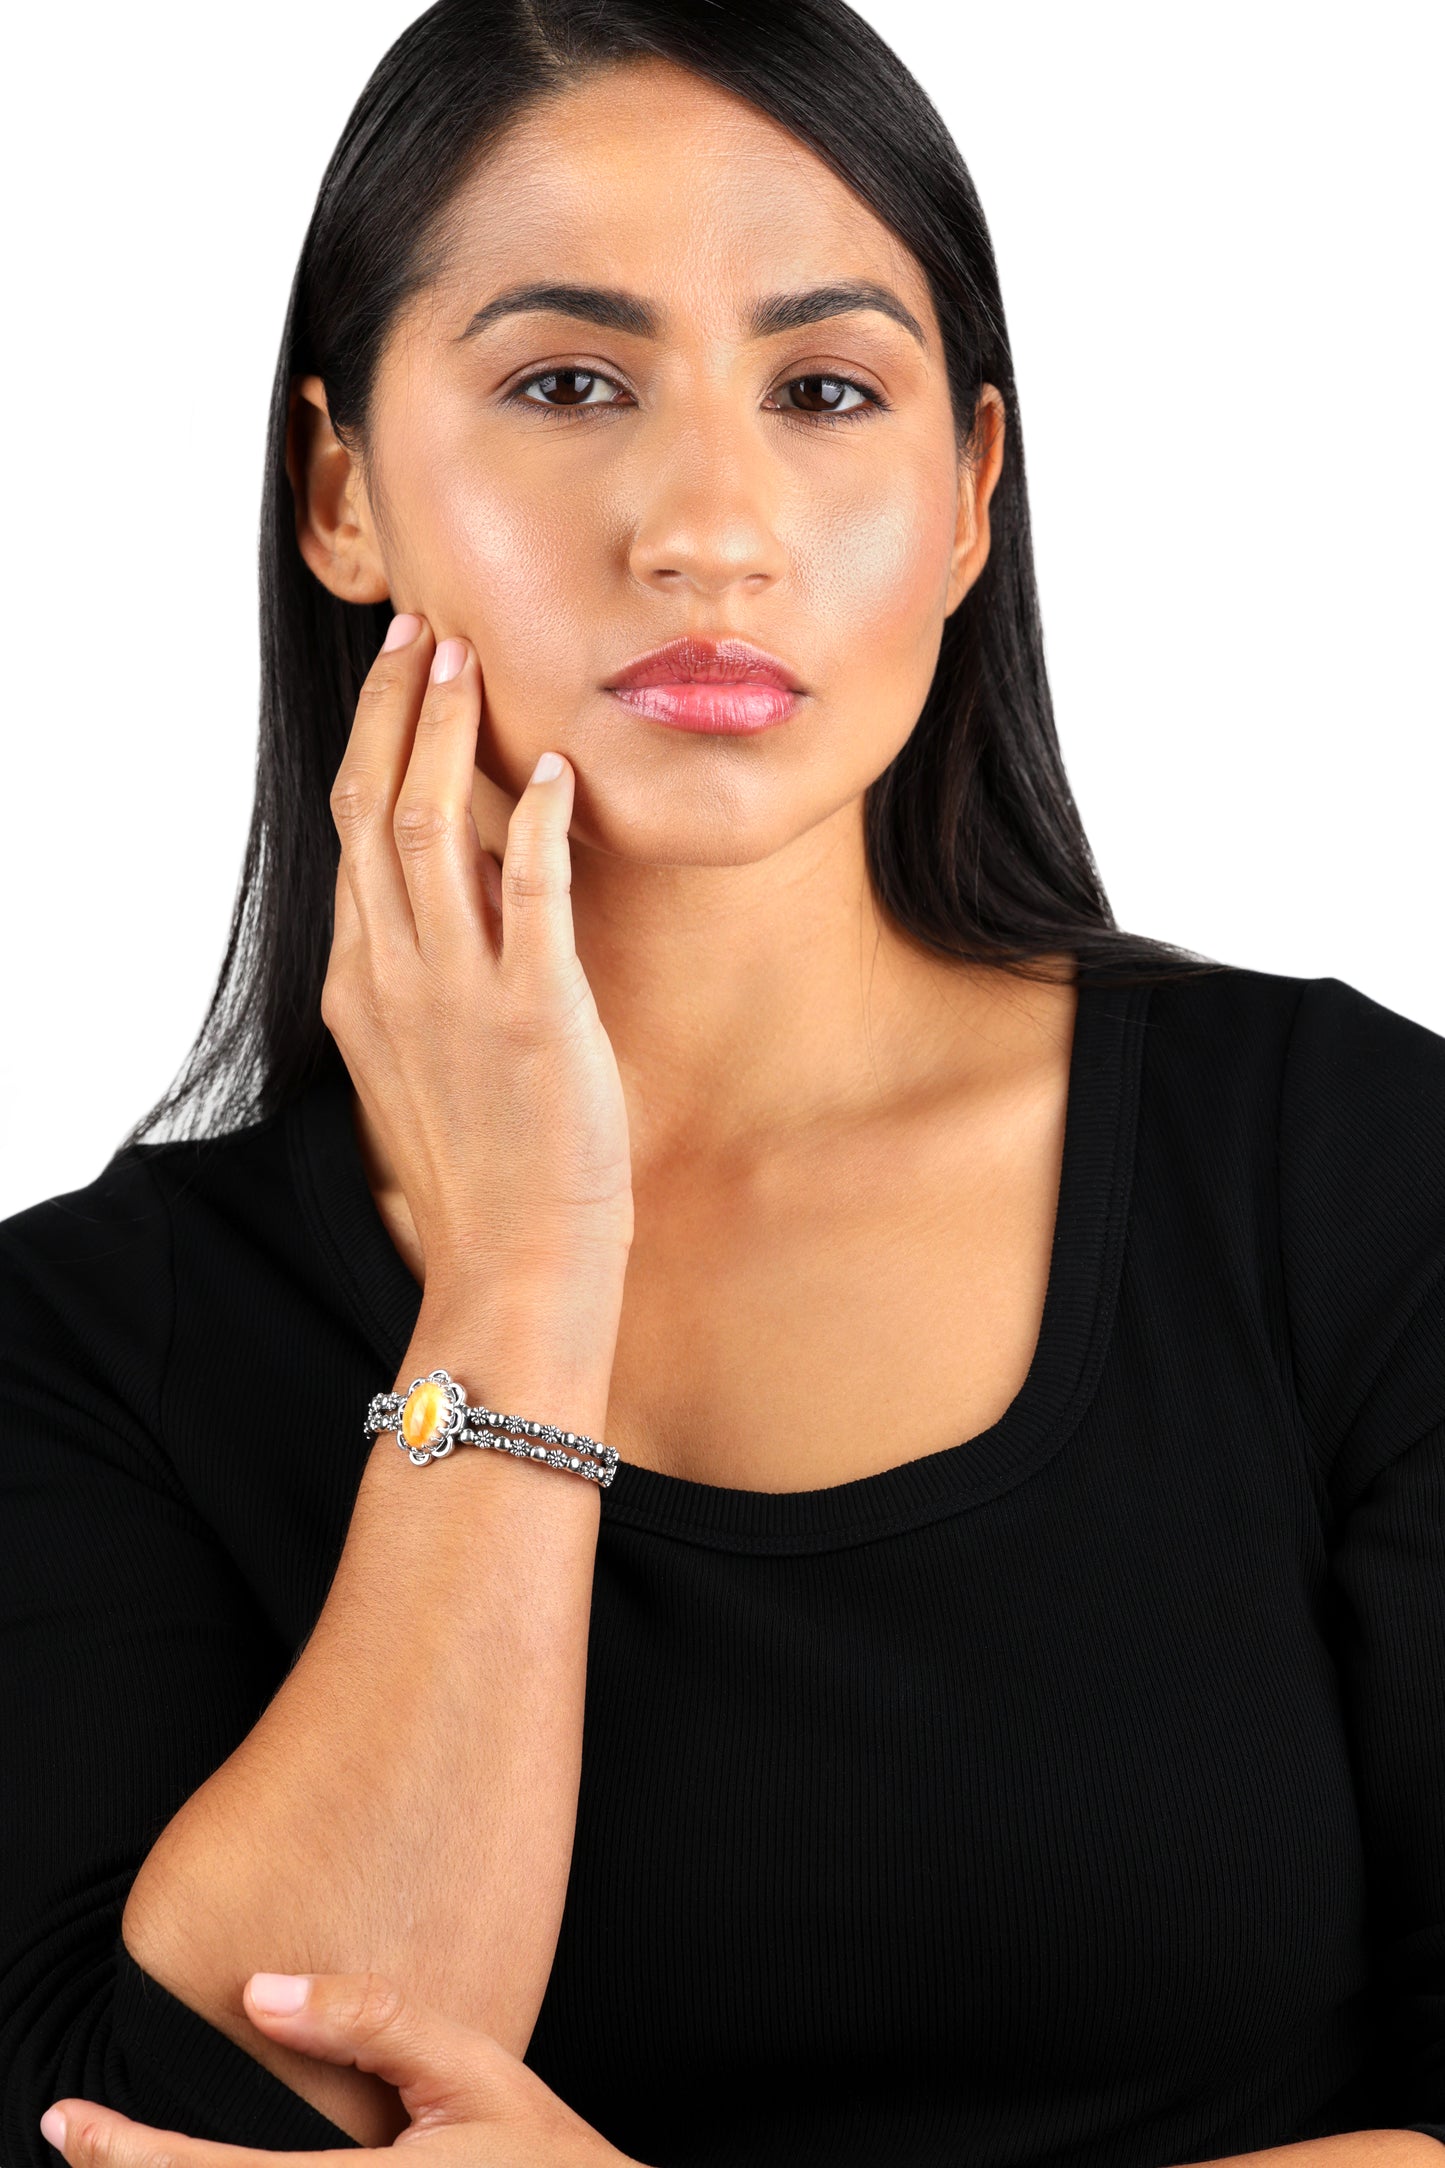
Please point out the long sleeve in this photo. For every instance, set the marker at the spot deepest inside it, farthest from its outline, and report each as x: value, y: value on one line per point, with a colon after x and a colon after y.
x: 132, y: 1661
x: 1363, y: 1190
x: 1388, y: 1580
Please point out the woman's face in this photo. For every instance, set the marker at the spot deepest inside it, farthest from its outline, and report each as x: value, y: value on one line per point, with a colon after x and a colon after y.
x: 681, y: 482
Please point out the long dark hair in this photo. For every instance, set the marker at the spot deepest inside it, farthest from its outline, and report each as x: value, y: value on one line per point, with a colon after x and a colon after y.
x: 974, y: 843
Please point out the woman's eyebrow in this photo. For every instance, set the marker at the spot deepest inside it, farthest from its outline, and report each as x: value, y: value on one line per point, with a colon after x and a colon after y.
x: 617, y: 310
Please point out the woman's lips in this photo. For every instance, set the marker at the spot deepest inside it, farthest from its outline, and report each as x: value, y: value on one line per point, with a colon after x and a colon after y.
x: 725, y: 686
x: 728, y: 709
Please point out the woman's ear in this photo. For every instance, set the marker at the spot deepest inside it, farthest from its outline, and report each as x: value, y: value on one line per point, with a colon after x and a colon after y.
x: 335, y: 531
x: 977, y: 480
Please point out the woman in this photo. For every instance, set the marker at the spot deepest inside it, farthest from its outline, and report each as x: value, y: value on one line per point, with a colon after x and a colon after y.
x: 646, y: 513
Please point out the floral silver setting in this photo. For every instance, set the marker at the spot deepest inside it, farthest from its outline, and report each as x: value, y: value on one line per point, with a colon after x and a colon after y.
x: 432, y: 1416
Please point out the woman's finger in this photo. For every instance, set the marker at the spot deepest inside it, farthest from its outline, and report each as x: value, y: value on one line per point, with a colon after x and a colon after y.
x: 539, y: 951
x: 436, y: 836
x: 345, y: 918
x: 97, y: 2137
x: 364, y: 792
x: 443, y: 2071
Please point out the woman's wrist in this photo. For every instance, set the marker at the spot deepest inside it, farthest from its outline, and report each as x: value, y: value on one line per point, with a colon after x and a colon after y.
x: 552, y: 1254
x: 527, y: 1342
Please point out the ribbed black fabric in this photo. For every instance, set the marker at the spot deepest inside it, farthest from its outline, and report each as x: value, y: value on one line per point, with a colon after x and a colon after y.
x: 1070, y: 1798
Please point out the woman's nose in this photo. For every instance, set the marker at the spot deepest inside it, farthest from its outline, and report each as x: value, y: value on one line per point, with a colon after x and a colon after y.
x: 706, y: 513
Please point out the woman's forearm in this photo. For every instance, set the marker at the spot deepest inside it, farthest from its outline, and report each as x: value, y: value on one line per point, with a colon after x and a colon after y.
x: 1350, y: 2149
x: 407, y: 1801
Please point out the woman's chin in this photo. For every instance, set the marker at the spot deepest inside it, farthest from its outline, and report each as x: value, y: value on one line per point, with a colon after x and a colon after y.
x: 690, y: 831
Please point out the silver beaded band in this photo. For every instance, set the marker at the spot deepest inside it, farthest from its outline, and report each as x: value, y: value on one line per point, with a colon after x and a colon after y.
x: 432, y: 1416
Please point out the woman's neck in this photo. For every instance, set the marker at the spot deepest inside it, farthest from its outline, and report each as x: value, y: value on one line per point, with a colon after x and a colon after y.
x: 754, y: 1005
x: 757, y: 1002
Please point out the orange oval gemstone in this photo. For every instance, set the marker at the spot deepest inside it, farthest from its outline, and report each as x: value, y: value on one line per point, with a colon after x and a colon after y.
x: 425, y: 1410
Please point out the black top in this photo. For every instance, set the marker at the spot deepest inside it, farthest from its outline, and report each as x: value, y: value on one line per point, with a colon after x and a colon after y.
x: 1071, y: 1796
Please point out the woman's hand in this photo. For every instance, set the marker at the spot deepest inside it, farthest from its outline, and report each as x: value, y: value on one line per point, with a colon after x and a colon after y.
x: 472, y: 2103
x: 454, y: 990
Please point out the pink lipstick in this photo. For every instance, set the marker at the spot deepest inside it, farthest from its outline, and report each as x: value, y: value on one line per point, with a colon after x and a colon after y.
x: 726, y: 687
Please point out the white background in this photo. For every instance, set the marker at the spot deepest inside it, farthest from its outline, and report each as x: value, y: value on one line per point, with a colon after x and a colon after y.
x: 1218, y: 232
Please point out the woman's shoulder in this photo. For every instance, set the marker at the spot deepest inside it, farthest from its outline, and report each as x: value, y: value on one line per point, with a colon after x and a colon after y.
x: 1350, y: 1090
x: 1348, y: 1095
x: 1357, y: 1088
x: 1323, y: 1023
x: 89, y: 1276
x: 122, y: 1217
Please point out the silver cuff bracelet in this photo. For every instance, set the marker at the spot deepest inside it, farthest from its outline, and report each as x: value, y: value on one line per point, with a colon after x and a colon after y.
x: 432, y: 1416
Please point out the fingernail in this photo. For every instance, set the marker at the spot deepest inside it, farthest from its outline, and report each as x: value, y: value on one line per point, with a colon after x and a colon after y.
x: 279, y: 1992
x: 401, y: 631
x: 447, y: 660
x: 52, y: 2127
x: 547, y: 767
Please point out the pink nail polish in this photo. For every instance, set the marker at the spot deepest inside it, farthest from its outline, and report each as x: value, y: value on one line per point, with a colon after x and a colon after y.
x: 282, y: 1993
x: 52, y: 2128
x: 401, y: 631
x: 447, y: 661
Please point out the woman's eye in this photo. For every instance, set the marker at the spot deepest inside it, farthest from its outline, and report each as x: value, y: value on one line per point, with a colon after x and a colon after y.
x: 575, y: 385
x: 829, y: 392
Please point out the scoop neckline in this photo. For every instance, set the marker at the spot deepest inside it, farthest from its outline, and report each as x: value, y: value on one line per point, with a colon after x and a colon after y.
x: 1101, y: 1112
